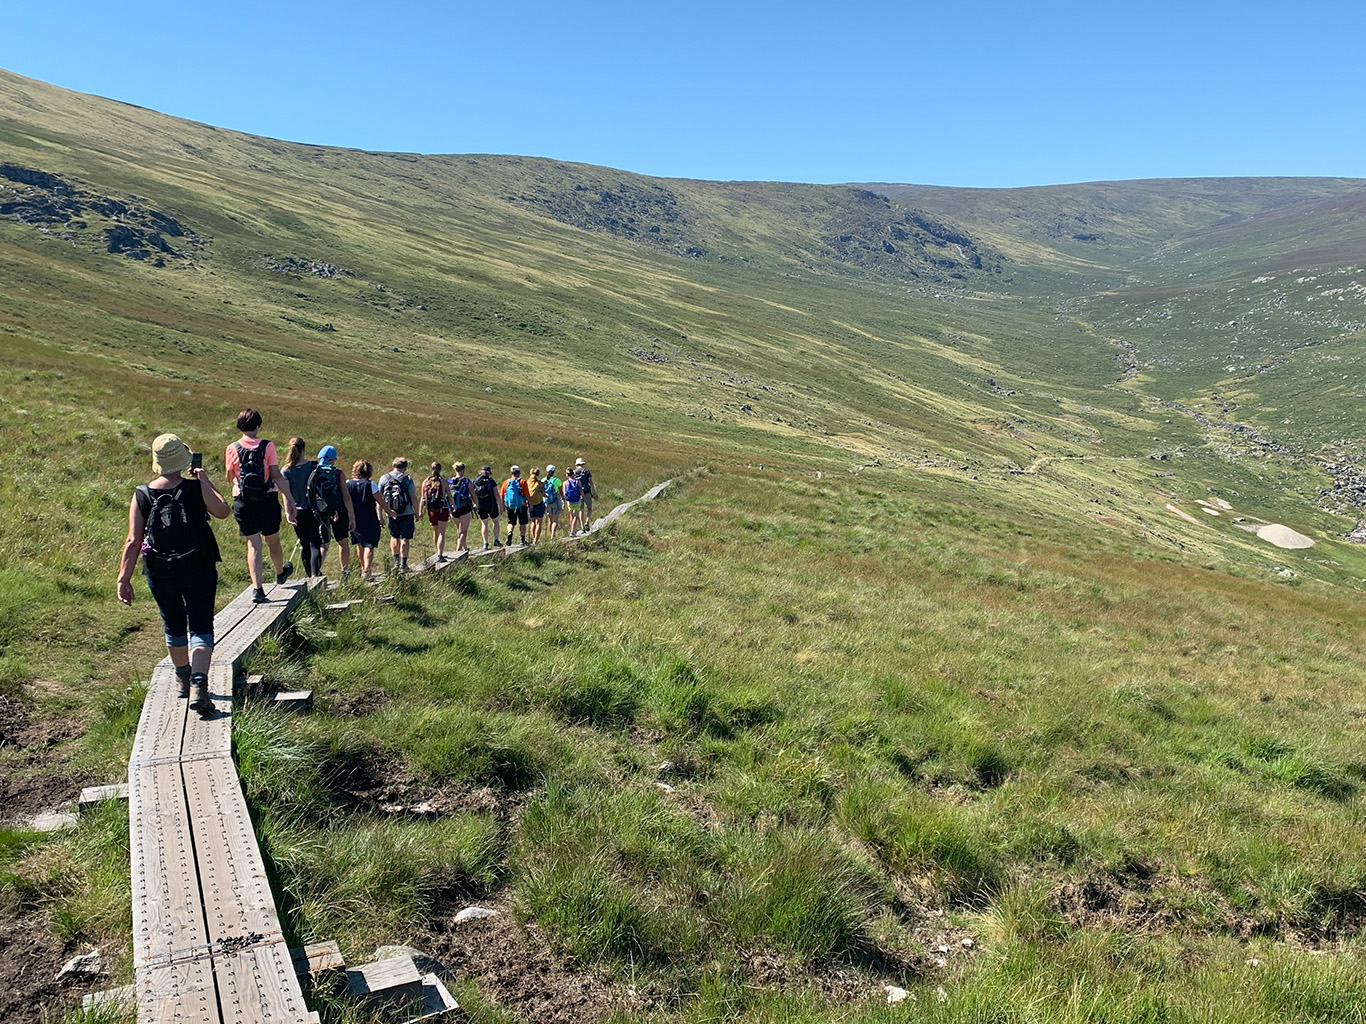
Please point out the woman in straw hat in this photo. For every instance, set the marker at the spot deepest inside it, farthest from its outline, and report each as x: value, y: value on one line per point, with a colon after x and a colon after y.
x: 168, y: 525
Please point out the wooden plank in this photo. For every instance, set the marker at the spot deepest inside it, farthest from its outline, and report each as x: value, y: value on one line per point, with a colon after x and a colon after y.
x: 238, y: 903
x: 298, y: 701
x: 183, y: 993
x: 162, y: 722
x: 317, y: 958
x: 92, y: 796
x: 259, y: 986
x: 168, y: 918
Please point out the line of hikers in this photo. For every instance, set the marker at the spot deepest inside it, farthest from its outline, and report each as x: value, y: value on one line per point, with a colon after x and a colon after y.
x: 168, y: 523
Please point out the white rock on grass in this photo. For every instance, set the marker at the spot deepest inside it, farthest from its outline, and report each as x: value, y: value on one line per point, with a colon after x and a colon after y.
x: 474, y: 914
x: 896, y: 994
x: 53, y: 821
x: 967, y: 943
x: 86, y: 965
x: 664, y: 787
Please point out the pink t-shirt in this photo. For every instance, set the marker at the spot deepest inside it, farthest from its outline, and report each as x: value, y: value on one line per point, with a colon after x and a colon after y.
x: 235, y: 468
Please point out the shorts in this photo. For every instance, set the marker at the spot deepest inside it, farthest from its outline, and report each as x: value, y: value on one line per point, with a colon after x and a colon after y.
x: 554, y: 508
x: 517, y: 516
x: 255, y: 517
x: 538, y: 511
x: 338, y: 529
x: 573, y: 506
x: 438, y: 515
x: 487, y: 511
x: 186, y: 606
x: 369, y: 538
x: 402, y: 527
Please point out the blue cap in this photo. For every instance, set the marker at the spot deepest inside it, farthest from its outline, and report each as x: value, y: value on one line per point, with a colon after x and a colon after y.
x: 327, y: 454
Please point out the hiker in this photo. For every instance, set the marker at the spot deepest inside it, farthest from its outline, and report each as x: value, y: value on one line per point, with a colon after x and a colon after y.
x: 486, y: 505
x: 462, y: 502
x: 332, y: 505
x: 535, y: 500
x: 436, y: 502
x: 554, y: 499
x: 399, y: 492
x: 297, y: 472
x: 168, y: 524
x: 514, y: 494
x: 366, y: 504
x: 253, y: 469
x: 573, y: 500
x: 590, y: 492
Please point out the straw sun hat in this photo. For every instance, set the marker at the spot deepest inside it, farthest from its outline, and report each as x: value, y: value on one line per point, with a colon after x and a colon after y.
x: 170, y: 455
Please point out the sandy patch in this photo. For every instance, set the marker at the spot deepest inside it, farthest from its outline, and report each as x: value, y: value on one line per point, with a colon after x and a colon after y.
x: 1283, y: 536
x: 1202, y: 502
x: 1182, y: 513
x: 1221, y: 503
x: 1210, y: 511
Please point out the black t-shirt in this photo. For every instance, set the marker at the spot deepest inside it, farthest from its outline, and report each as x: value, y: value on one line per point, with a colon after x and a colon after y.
x: 205, y: 553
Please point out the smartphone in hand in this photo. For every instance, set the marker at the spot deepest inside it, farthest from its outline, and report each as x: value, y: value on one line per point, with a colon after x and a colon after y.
x: 196, y: 460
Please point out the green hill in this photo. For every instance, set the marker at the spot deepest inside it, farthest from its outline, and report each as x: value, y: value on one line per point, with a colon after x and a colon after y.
x: 945, y: 632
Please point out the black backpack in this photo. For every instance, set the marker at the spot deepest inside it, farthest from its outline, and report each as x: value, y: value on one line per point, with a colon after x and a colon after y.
x: 252, y: 484
x: 173, y: 527
x: 396, y: 494
x: 324, y: 491
x: 484, y: 488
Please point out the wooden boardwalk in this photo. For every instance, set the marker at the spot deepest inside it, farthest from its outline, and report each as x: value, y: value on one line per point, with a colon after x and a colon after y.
x: 207, y: 943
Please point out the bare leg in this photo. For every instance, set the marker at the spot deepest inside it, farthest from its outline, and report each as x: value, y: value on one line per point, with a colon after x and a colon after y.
x: 200, y: 658
x: 254, y: 559
x: 344, y: 551
x: 277, y: 554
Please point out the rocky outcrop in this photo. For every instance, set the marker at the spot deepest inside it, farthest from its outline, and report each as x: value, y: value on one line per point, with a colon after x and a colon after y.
x: 122, y: 227
x: 642, y: 211
x: 869, y: 230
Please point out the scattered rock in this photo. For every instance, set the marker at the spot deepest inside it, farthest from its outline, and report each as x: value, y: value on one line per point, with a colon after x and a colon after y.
x: 53, y: 821
x: 941, y: 994
x: 967, y: 943
x: 86, y: 965
x: 1252, y: 961
x: 664, y: 787
x: 665, y: 768
x: 296, y: 265
x: 895, y: 994
x: 474, y: 914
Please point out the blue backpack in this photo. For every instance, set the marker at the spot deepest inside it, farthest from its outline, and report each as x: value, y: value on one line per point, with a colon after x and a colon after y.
x: 573, y: 491
x: 513, y: 498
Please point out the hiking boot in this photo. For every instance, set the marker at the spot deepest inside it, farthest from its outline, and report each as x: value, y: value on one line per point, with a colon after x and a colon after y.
x: 201, y: 702
x: 486, y: 545
x: 404, y: 565
x: 260, y: 596
x: 284, y: 572
x: 183, y: 680
x: 345, y: 573
x: 441, y: 558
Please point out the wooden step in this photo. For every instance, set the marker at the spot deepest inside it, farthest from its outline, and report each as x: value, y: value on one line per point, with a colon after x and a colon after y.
x: 387, y: 984
x: 297, y: 701
x: 93, y: 796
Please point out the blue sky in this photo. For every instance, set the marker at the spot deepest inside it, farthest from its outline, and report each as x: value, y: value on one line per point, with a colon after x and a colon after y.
x: 981, y: 94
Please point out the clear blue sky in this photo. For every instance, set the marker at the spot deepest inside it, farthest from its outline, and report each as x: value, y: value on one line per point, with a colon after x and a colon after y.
x: 988, y: 93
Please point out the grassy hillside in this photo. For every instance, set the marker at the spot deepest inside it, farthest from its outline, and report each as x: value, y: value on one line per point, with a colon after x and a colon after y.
x: 940, y: 633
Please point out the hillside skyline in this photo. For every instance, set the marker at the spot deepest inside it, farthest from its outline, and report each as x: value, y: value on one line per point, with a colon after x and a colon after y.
x: 1015, y: 98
